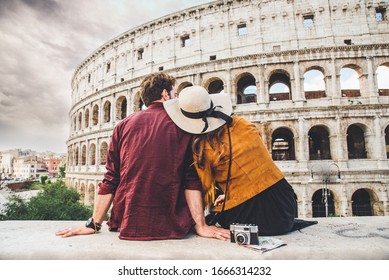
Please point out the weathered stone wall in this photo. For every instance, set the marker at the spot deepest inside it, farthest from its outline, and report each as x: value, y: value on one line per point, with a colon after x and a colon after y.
x: 242, y: 44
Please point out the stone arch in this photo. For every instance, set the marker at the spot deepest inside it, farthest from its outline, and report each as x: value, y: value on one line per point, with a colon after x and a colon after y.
x: 83, y: 155
x: 107, y: 111
x: 246, y: 88
x: 86, y: 117
x: 77, y: 155
x: 138, y: 104
x: 214, y: 85
x: 282, y: 144
x: 386, y: 133
x: 365, y: 202
x: 92, y: 154
x: 319, y: 206
x: 382, y: 76
x: 314, y: 83
x: 121, y: 108
x: 82, y: 193
x: 103, y: 153
x: 279, y: 85
x: 70, y: 155
x: 95, y: 115
x: 350, y: 80
x: 319, y: 143
x: 91, y: 194
x: 183, y: 85
x: 79, y: 120
x: 356, y: 141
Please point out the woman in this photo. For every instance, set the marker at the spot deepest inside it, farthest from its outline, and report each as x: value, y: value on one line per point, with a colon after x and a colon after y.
x: 230, y: 158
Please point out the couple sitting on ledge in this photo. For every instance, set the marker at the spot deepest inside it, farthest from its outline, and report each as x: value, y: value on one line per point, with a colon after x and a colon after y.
x: 181, y: 156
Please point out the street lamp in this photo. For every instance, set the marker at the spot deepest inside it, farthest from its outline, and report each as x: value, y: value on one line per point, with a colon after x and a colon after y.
x: 326, y: 179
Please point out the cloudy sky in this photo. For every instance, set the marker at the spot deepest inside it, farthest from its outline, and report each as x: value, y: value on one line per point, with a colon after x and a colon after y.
x: 41, y: 44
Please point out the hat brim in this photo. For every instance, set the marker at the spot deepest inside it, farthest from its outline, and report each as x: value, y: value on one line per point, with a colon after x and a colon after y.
x: 196, y: 126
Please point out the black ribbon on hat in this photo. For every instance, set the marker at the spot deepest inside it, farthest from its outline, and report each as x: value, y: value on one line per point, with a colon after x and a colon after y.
x: 211, y: 112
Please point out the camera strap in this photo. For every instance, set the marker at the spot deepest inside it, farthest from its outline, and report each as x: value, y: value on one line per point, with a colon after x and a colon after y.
x: 212, y: 219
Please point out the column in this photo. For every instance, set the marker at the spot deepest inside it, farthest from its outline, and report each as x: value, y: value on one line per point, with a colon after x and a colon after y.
x: 335, y: 81
x: 372, y: 90
x: 261, y: 85
x: 297, y: 95
x: 303, y: 152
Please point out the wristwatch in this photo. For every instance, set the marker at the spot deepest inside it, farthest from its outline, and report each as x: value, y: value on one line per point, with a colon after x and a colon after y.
x: 91, y: 224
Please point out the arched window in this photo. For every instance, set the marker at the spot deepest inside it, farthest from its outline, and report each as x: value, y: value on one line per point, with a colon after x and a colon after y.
x: 91, y: 194
x: 70, y: 156
x: 349, y: 82
x: 121, y: 108
x: 283, y: 144
x: 80, y: 121
x: 361, y: 203
x: 82, y: 193
x: 77, y: 155
x: 314, y: 86
x: 216, y: 86
x: 279, y: 87
x: 86, y: 118
x: 387, y: 141
x: 319, y: 143
x: 103, y: 153
x: 247, y: 89
x: 95, y: 117
x: 107, y: 111
x: 318, y: 204
x: 182, y: 86
x: 382, y: 75
x: 83, y: 155
x: 92, y: 154
x: 356, y: 142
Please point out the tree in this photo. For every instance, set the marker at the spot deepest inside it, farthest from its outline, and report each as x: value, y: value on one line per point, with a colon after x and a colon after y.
x: 55, y: 202
x: 61, y: 169
x: 43, y: 178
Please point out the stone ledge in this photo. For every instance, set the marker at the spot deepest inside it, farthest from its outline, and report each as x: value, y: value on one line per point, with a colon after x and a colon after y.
x: 352, y: 238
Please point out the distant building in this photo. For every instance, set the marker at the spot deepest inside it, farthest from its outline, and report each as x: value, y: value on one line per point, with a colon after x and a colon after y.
x: 29, y: 167
x: 51, y: 164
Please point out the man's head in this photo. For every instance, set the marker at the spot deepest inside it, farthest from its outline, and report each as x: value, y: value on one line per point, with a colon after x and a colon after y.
x: 156, y: 86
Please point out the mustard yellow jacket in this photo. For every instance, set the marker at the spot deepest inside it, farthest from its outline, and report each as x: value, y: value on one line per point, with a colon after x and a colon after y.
x: 252, y: 169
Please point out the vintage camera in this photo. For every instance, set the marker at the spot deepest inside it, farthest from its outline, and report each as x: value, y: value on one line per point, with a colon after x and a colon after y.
x: 244, y: 234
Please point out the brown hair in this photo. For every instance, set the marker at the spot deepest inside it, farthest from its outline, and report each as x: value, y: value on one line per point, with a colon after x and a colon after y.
x: 153, y: 85
x: 214, y: 138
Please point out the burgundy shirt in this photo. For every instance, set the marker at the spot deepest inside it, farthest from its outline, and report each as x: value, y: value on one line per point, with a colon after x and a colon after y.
x: 149, y: 165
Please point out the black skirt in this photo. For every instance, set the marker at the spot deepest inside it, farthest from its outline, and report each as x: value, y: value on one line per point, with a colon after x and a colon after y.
x: 273, y: 210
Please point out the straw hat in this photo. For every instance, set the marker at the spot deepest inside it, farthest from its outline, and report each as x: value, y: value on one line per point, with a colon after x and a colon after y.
x: 197, y: 112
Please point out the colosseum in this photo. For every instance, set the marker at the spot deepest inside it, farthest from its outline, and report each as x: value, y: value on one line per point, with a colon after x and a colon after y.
x: 313, y: 76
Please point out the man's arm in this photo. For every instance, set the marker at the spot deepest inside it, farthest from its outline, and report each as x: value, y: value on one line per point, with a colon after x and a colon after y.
x: 195, y: 203
x: 103, y: 202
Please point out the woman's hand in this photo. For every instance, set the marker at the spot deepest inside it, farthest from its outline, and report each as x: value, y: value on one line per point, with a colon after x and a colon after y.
x: 219, y: 200
x: 212, y: 232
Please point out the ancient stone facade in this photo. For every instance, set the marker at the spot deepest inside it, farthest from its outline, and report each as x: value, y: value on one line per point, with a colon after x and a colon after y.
x: 287, y: 67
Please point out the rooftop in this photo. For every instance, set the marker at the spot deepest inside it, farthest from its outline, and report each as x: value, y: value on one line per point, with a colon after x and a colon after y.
x: 349, y: 238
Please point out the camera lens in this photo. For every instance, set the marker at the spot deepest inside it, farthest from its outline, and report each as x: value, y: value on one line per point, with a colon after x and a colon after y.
x: 241, y: 238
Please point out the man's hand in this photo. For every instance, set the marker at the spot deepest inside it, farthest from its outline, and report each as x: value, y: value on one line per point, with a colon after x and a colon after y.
x: 212, y: 232
x: 82, y: 230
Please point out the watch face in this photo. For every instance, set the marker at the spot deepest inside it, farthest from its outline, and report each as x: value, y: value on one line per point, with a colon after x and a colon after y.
x: 90, y: 223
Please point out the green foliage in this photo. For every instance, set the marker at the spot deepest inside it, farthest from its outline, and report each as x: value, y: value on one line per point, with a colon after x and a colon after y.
x: 54, y: 202
x: 15, y: 209
x: 61, y: 169
x: 43, y: 178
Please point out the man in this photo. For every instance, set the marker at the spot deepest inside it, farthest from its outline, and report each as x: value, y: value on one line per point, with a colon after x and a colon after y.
x: 150, y: 179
